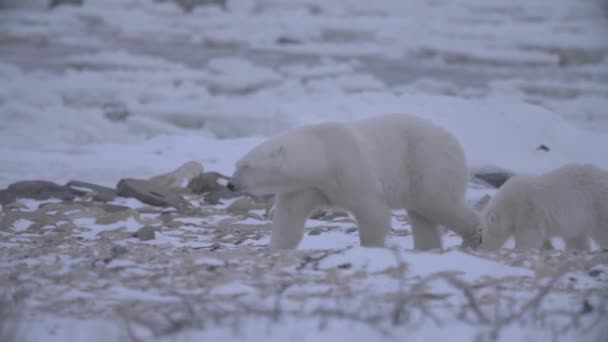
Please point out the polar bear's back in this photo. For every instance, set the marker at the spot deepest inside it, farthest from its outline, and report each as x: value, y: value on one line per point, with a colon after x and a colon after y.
x: 413, y: 157
x: 569, y: 200
x: 586, y: 187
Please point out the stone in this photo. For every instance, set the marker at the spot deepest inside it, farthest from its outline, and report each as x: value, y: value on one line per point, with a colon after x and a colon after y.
x: 316, y: 231
x: 207, y: 182
x: 180, y: 177
x: 98, y: 192
x: 282, y: 40
x: 119, y: 233
x: 115, y: 112
x: 189, y: 5
x: 495, y: 179
x: 244, y: 204
x: 55, y: 3
x: 118, y: 250
x: 36, y: 189
x: 145, y: 233
x: 151, y: 193
x: 7, y: 197
x: 327, y: 215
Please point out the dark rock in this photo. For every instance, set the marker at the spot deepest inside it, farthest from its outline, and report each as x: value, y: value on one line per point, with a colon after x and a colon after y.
x: 316, y: 231
x: 7, y: 197
x: 287, y: 41
x: 207, y: 182
x: 189, y: 5
x: 55, y: 3
x: 495, y: 179
x: 543, y: 147
x: 114, y: 208
x: 101, y: 193
x: 36, y: 189
x: 150, y: 193
x: 145, y: 233
x: 115, y: 112
x: 118, y: 250
x: 327, y: 215
x: 595, y: 273
x: 345, y: 266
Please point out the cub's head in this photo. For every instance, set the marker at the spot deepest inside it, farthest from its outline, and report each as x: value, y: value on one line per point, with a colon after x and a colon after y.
x: 261, y: 171
x: 500, y: 215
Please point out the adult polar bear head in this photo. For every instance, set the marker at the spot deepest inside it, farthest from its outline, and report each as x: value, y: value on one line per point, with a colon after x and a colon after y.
x: 283, y: 164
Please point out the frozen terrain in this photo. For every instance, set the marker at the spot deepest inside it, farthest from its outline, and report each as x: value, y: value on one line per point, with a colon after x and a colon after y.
x: 135, y: 88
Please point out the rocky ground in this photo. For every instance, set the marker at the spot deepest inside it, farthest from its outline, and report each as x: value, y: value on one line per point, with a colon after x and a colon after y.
x: 161, y: 270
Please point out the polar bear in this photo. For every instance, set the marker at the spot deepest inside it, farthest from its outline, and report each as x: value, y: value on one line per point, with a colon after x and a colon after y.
x: 570, y: 202
x: 366, y: 167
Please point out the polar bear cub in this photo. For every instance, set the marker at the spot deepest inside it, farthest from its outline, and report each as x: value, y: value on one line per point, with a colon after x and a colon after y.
x: 366, y: 167
x: 570, y: 202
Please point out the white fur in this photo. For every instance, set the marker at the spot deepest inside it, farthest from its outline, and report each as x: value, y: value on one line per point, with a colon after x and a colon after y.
x: 367, y: 167
x: 570, y: 202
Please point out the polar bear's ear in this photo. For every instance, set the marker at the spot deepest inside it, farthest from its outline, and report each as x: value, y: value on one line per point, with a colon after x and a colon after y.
x: 279, y: 152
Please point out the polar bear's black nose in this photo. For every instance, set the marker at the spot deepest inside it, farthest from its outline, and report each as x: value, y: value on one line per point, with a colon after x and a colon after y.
x: 230, y: 186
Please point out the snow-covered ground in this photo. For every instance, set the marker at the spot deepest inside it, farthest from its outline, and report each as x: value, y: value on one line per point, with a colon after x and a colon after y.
x: 134, y: 88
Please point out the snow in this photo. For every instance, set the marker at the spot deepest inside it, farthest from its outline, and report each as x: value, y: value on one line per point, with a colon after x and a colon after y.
x: 208, y: 85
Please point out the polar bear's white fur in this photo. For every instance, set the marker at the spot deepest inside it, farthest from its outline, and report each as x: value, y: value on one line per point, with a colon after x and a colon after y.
x: 570, y: 202
x: 366, y: 167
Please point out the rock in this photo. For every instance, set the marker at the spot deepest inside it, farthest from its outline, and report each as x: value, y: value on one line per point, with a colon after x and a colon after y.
x: 36, y: 189
x: 287, y: 41
x: 189, y: 5
x: 113, y: 208
x: 180, y: 177
x: 151, y: 193
x: 207, y: 182
x: 7, y: 197
x: 98, y: 192
x: 327, y: 215
x: 495, y: 179
x: 113, y: 217
x: 145, y: 233
x: 595, y: 273
x: 245, y: 204
x: 120, y: 233
x: 55, y: 3
x: 316, y: 231
x: 118, y: 250
x: 115, y: 112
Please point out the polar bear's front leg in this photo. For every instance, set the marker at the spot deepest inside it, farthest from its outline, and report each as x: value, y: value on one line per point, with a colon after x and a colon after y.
x: 290, y: 214
x: 426, y: 233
